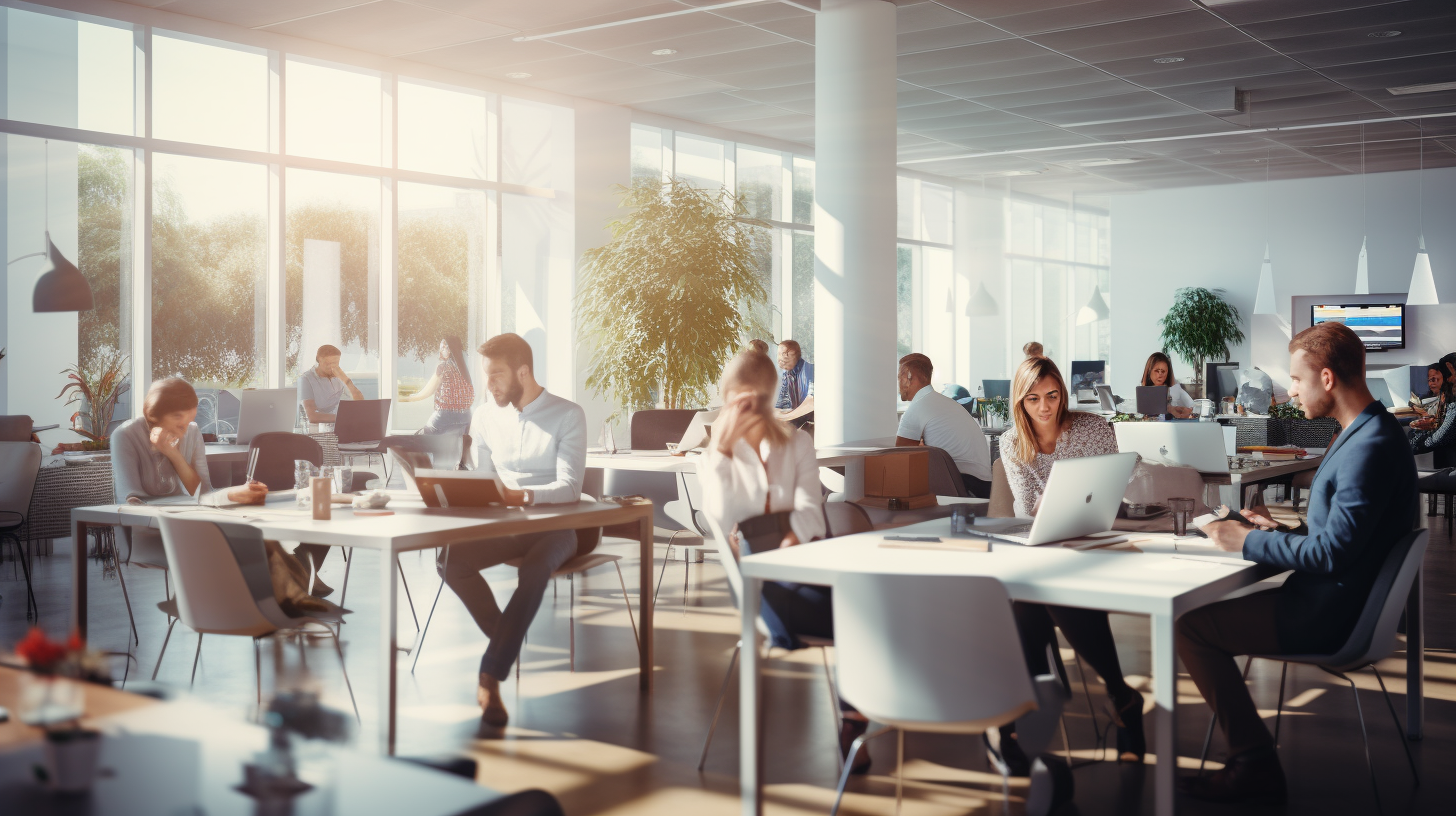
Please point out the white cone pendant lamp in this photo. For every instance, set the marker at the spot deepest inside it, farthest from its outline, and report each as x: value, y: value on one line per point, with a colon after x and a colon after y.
x: 982, y: 304
x: 1423, y: 283
x: 1264, y: 302
x: 1362, y: 272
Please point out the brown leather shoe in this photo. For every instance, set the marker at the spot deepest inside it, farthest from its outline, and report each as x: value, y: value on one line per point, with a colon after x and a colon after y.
x: 493, y: 711
x: 1254, y: 777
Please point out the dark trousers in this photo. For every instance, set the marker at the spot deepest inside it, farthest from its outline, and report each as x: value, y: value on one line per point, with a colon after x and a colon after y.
x: 1087, y: 630
x: 978, y: 488
x: 800, y: 609
x: 1208, y: 640
x: 315, y: 553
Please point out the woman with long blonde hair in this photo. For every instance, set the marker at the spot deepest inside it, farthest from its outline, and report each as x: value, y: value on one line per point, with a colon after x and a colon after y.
x: 1044, y: 431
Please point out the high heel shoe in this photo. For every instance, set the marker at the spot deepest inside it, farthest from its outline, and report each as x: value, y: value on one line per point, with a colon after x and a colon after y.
x: 1132, y: 743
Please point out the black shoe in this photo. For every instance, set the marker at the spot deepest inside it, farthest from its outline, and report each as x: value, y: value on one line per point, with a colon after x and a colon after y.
x: 1254, y: 777
x: 849, y: 731
x: 1017, y: 763
x: 1132, y: 743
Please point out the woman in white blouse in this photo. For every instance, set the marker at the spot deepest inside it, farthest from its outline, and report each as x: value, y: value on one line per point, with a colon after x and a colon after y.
x: 1159, y: 371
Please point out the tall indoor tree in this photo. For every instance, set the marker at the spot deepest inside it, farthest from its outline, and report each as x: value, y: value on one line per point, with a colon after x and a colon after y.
x: 664, y: 304
x: 1200, y: 326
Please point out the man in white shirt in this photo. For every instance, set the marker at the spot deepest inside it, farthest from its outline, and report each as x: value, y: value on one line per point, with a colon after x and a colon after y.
x: 535, y: 442
x: 321, y: 387
x: 940, y: 422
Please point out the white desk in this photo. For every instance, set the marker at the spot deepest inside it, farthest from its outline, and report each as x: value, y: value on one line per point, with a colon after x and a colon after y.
x: 848, y: 455
x: 412, y: 527
x: 1160, y: 586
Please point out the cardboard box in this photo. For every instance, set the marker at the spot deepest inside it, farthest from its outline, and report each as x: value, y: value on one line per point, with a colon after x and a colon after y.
x: 897, y: 474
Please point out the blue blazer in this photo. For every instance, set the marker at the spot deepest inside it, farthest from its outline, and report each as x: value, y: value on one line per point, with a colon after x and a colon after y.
x: 1362, y: 501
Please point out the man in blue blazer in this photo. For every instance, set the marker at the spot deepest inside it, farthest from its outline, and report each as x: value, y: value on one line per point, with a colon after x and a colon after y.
x: 1362, y: 501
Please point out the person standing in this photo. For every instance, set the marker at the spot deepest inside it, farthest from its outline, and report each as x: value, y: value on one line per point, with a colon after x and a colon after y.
x: 452, y: 389
x: 795, y: 399
x: 535, y: 442
x: 1158, y: 370
x: 321, y: 387
x: 1363, y: 500
x: 938, y: 421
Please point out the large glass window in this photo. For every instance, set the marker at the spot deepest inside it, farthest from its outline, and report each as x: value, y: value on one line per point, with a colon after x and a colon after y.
x: 1056, y: 258
x: 761, y: 183
x: 334, y: 113
x: 333, y: 274
x: 209, y: 259
x: 702, y: 161
x: 208, y: 93
x: 444, y: 131
x: 66, y: 72
x: 103, y: 215
x: 647, y: 148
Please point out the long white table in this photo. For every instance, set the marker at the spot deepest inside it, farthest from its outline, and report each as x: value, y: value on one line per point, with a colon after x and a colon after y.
x: 1162, y: 585
x: 412, y: 527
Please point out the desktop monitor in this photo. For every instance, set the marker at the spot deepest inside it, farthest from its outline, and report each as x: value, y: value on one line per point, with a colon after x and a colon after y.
x: 1379, y: 326
x: 1220, y: 380
x: 996, y: 388
x: 1086, y: 376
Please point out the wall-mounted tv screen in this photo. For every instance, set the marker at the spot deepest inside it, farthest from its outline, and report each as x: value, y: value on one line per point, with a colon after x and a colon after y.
x: 1379, y: 325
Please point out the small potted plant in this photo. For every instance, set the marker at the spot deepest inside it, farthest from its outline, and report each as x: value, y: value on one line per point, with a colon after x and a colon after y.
x: 53, y: 698
x: 96, y: 386
x: 997, y: 411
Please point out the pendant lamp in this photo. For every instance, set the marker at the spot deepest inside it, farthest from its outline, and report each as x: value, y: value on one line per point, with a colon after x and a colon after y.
x: 1362, y: 271
x: 1095, y: 310
x: 1264, y: 300
x: 1362, y: 266
x: 61, y: 287
x: 1423, y: 283
x: 982, y: 304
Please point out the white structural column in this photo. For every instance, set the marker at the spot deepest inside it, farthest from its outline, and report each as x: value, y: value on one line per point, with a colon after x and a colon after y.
x: 854, y: 220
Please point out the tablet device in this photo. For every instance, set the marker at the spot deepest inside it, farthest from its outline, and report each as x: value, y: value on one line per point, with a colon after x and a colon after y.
x: 458, y: 488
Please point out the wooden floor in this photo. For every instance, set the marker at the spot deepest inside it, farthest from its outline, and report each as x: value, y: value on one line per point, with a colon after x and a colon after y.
x: 591, y: 739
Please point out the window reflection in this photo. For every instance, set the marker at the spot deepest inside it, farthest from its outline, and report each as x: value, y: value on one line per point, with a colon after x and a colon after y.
x: 333, y: 113
x: 444, y: 131
x: 71, y: 73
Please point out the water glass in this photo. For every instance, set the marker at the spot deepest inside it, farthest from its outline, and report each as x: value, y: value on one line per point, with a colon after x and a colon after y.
x: 1182, y: 510
x: 962, y: 519
x: 303, y: 470
x: 343, y: 479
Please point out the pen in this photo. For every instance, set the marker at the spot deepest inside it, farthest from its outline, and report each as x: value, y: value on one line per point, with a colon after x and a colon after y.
x: 252, y: 464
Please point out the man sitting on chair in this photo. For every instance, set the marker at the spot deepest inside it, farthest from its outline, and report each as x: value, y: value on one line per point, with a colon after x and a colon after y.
x: 535, y: 442
x: 795, y: 400
x: 938, y: 421
x: 1362, y: 501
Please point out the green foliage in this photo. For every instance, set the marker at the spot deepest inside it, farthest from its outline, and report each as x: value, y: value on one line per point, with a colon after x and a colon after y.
x: 103, y: 193
x: 998, y: 406
x: 665, y: 304
x: 1286, y: 410
x: 97, y: 385
x: 1200, y: 326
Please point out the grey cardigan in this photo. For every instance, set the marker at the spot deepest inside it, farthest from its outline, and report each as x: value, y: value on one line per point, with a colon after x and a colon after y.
x: 141, y: 473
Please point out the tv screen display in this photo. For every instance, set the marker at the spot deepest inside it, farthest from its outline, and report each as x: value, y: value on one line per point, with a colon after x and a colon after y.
x: 1379, y: 325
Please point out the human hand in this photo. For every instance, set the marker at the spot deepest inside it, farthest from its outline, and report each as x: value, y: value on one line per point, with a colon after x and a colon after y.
x: 165, y: 441
x: 1179, y: 412
x: 790, y: 540
x: 513, y: 497
x: 1424, y: 424
x: 253, y: 492
x: 1259, y: 516
x: 732, y: 421
x: 1227, y: 535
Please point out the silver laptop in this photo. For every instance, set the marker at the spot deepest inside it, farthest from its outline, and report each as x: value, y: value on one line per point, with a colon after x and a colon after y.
x: 1197, y: 445
x: 265, y: 410
x: 1105, y: 398
x: 1081, y: 499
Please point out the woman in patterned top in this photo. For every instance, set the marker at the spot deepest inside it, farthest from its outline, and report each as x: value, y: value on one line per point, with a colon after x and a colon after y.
x: 1437, y: 429
x: 1043, y: 432
x: 453, y: 392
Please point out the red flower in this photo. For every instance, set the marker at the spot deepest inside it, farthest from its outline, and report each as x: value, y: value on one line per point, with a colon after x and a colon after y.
x: 74, y: 643
x: 39, y: 651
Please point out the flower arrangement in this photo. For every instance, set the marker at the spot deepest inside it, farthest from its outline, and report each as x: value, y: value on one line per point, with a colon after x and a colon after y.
x: 72, y: 658
x: 98, y: 386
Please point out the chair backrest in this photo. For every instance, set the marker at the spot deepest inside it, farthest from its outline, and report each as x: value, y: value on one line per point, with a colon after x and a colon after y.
x: 465, y: 447
x: 444, y: 450
x: 15, y: 428
x: 1003, y: 504
x: 19, y: 465
x: 945, y: 477
x: 276, y: 454
x: 1373, y: 637
x: 220, y: 574
x: 930, y: 652
x: 654, y: 428
x: 845, y: 518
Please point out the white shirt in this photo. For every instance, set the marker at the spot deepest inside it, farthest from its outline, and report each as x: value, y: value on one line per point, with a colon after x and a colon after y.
x: 1178, y: 398
x: 741, y: 486
x: 941, y: 422
x: 541, y: 447
x: 324, y: 391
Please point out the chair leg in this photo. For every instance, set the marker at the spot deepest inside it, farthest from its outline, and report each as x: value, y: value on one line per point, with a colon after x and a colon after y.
x: 420, y: 638
x: 170, y: 623
x: 718, y: 709
x: 571, y: 616
x: 348, y: 564
x: 833, y: 703
x: 1364, y: 735
x: 196, y: 656
x: 1279, y: 707
x: 407, y: 596
x: 22, y: 554
x: 1399, y: 729
x: 120, y: 576
x: 628, y: 601
x: 844, y: 775
x: 899, y: 771
x: 345, y: 669
x: 687, y: 565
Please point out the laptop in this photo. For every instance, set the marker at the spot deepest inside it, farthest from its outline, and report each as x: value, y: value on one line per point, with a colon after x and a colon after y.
x: 1081, y: 499
x: 1152, y: 400
x: 458, y: 488
x: 265, y: 410
x: 360, y: 424
x: 1199, y: 445
x: 1106, y: 399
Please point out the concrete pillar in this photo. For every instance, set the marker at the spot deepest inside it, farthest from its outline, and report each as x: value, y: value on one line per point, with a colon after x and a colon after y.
x: 854, y: 220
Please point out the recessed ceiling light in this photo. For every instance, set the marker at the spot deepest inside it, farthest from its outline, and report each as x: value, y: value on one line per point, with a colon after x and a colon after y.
x: 664, y: 52
x: 1104, y: 162
x: 1428, y: 88
x: 1167, y: 60
x: 519, y: 75
x: 1380, y: 35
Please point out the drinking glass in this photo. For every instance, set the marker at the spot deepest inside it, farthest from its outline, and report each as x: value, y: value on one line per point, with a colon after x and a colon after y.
x: 1182, y: 510
x: 962, y: 519
x: 343, y: 479
x: 303, y: 470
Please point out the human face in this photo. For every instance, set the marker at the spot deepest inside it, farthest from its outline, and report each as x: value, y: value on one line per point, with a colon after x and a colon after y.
x: 1043, y: 402
x: 1434, y: 380
x: 788, y: 358
x: 503, y: 383
x: 329, y: 365
x: 909, y: 384
x: 444, y: 350
x: 177, y: 421
x: 1159, y: 374
x: 1313, y: 388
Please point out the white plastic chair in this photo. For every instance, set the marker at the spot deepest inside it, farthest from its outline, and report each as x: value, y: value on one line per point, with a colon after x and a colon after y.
x: 223, y: 588
x: 938, y: 654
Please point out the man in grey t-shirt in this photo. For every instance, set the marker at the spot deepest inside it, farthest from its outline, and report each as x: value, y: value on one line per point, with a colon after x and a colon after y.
x: 320, y: 388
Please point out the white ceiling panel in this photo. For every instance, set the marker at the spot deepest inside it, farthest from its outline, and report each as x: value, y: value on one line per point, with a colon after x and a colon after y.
x: 391, y: 28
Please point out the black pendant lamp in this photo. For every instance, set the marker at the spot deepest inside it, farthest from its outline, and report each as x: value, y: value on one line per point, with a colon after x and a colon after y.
x: 61, y: 287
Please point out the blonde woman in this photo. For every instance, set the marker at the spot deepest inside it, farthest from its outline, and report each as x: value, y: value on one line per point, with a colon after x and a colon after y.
x: 1044, y: 431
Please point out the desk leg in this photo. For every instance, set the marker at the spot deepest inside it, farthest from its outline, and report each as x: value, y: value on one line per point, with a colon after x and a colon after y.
x: 750, y: 748
x: 389, y: 654
x: 78, y: 578
x: 1165, y: 697
x: 1415, y: 660
x: 854, y: 478
x: 644, y: 602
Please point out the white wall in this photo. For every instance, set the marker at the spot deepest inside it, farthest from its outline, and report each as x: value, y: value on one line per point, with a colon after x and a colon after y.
x: 1215, y: 236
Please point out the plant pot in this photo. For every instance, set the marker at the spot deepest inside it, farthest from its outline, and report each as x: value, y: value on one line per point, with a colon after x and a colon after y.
x: 71, y: 757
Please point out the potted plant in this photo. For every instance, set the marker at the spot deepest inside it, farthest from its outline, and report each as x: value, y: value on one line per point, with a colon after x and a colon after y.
x: 666, y: 303
x: 997, y: 411
x: 53, y: 698
x: 1199, y: 326
x: 97, y: 386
